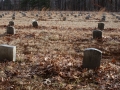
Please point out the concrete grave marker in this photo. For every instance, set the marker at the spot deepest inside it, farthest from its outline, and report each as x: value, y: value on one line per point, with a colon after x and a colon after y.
x: 23, y: 14
x: 35, y: 23
x: 13, y: 17
x: 10, y: 30
x: 64, y: 18
x: 11, y: 23
x: 87, y: 17
x: 5, y: 13
x: 37, y: 15
x: 103, y: 18
x: 119, y: 18
x: 97, y: 34
x: 0, y: 16
x: 92, y: 58
x: 101, y: 26
x: 7, y: 52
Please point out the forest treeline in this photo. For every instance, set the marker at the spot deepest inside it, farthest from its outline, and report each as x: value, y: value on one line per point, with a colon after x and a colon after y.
x: 86, y: 5
x: 68, y: 5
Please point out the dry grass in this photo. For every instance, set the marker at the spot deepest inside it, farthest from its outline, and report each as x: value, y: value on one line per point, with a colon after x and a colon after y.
x: 50, y: 57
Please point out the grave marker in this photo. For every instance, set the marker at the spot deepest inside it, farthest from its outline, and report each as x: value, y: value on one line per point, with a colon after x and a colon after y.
x: 64, y: 18
x: 92, y: 58
x: 101, y: 26
x: 103, y: 18
x: 87, y: 17
x: 13, y: 17
x: 0, y: 16
x: 7, y: 52
x: 11, y: 23
x: 10, y: 30
x: 97, y: 34
x: 35, y: 24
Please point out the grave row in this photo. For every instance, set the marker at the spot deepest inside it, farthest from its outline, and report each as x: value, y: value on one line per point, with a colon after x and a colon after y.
x: 2, y: 15
x: 91, y: 59
x: 63, y: 14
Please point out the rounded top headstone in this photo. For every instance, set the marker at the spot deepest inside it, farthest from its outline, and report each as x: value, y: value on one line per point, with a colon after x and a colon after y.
x: 11, y: 23
x: 93, y: 49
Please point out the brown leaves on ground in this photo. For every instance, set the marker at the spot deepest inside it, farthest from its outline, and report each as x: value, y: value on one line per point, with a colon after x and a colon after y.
x: 50, y: 57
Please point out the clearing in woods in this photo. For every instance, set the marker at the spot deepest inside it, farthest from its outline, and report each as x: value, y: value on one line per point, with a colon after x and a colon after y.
x: 50, y: 56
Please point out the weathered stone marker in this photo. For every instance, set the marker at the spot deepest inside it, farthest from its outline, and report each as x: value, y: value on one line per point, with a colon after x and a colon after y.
x: 0, y: 16
x: 87, y: 17
x: 10, y: 30
x: 119, y: 18
x: 64, y: 18
x: 11, y: 23
x: 7, y: 52
x: 37, y: 15
x: 101, y: 26
x: 97, y: 34
x: 5, y: 13
x: 35, y: 24
x: 92, y: 58
x: 103, y: 18
x: 23, y: 14
x: 13, y: 17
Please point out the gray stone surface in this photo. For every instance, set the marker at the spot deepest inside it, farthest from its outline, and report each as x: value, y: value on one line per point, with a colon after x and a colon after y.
x: 87, y: 17
x: 0, y: 16
x: 35, y: 24
x: 64, y: 18
x: 7, y: 53
x: 11, y: 23
x: 103, y: 18
x: 13, y: 17
x: 97, y: 34
x: 10, y: 30
x: 92, y: 58
x: 101, y: 26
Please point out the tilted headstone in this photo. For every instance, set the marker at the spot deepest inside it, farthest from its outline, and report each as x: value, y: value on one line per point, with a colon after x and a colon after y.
x: 92, y: 58
x: 11, y: 23
x: 97, y: 34
x: 7, y: 52
x: 10, y: 30
x: 35, y: 24
x: 101, y: 26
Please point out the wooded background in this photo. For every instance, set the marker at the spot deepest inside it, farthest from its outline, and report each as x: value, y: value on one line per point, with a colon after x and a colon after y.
x: 68, y: 5
x: 87, y: 5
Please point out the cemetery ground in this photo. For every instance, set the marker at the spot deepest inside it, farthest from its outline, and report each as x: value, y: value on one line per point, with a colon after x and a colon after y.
x: 50, y: 56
